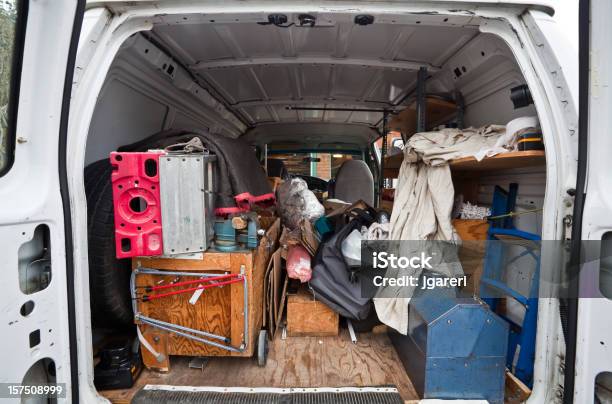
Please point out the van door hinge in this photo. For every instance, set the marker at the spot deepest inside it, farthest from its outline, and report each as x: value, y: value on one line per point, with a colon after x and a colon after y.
x: 568, y: 219
x: 567, y: 227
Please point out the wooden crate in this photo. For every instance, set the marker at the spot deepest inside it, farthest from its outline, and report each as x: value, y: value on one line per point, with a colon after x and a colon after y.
x: 471, y: 254
x: 218, y: 310
x: 309, y: 317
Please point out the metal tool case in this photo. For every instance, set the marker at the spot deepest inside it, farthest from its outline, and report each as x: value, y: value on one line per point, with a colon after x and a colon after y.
x: 455, y: 348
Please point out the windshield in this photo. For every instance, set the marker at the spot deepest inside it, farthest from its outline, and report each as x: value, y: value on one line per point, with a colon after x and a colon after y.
x: 320, y: 165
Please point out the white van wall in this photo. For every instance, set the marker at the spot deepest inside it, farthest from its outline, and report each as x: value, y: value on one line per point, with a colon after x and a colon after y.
x: 138, y: 100
x: 532, y: 184
x: 484, y: 70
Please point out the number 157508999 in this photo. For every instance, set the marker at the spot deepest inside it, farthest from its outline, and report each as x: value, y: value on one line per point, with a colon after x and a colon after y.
x: 14, y: 390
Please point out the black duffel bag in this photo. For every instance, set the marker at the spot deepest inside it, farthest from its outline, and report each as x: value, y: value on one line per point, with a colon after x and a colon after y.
x: 333, y: 281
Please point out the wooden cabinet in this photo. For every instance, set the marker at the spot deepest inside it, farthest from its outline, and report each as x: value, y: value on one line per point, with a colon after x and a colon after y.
x: 219, y: 310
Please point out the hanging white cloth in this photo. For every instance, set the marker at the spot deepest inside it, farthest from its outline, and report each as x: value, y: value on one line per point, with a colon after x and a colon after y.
x: 423, y: 204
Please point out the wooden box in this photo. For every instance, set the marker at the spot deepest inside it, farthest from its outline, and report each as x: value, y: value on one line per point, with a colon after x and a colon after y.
x: 473, y: 233
x: 309, y: 317
x: 219, y: 310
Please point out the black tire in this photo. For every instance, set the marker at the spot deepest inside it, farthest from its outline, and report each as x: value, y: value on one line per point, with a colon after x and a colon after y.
x: 109, y: 277
x: 262, y: 348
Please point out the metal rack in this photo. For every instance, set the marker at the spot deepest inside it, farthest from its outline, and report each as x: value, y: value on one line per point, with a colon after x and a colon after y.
x: 187, y: 332
x: 421, y: 111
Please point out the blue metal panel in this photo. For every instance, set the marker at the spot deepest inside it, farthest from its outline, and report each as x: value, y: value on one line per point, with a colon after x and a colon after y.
x: 466, y: 378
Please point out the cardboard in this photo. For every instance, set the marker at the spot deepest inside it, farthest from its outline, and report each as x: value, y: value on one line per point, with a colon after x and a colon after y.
x: 274, y: 292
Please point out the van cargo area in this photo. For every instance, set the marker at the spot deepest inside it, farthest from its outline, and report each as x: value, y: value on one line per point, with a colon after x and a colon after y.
x: 218, y: 274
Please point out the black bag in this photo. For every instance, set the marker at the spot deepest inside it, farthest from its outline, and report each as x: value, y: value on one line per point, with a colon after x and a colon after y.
x: 333, y: 281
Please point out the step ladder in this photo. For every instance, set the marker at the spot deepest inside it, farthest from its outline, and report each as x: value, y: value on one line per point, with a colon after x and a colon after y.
x: 493, y: 287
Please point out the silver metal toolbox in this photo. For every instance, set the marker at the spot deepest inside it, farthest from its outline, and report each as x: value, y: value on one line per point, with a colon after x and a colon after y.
x: 187, y: 201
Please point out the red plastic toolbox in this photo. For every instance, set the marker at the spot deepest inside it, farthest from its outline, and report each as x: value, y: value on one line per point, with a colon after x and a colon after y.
x: 138, y: 227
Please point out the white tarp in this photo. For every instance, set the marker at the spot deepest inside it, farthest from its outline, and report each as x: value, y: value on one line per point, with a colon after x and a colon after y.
x: 424, y: 200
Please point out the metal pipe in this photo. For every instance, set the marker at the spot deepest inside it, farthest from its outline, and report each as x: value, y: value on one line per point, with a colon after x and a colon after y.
x: 291, y: 108
x: 383, y: 154
x: 147, y: 298
x: 460, y: 101
x: 421, y: 106
x: 245, y: 312
x: 182, y: 328
x: 193, y: 337
x: 177, y: 284
x: 149, y: 271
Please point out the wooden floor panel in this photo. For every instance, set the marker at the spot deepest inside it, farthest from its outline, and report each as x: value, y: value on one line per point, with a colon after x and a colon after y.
x: 294, y: 362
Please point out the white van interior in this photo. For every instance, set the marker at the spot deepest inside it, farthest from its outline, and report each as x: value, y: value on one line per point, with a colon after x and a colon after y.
x: 322, y: 86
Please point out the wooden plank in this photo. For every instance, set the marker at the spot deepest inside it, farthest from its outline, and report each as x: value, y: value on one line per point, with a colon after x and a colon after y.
x: 159, y: 342
x: 281, y: 309
x: 212, y: 260
x: 471, y: 229
x: 309, y: 317
x: 272, y: 291
x: 243, y: 265
x: 308, y: 237
x: 294, y: 362
x: 516, y: 391
x: 438, y: 111
x: 392, y: 165
x: 386, y: 205
x: 504, y: 161
x: 467, y: 183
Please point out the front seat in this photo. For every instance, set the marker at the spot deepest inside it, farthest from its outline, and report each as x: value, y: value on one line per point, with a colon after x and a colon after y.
x: 277, y: 168
x: 354, y: 181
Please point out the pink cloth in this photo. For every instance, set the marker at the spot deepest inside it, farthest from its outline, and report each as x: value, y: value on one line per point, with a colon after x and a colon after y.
x: 298, y: 263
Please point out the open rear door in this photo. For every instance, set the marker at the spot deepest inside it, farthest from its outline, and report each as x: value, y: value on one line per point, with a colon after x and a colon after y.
x: 38, y: 40
x: 589, y: 351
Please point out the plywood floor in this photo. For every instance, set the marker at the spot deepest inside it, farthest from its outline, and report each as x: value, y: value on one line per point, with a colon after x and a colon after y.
x: 294, y: 362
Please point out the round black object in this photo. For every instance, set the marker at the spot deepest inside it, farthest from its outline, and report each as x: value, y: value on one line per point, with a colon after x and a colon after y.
x: 521, y: 96
x: 109, y: 277
x: 262, y: 348
x: 368, y: 323
x: 277, y: 19
x: 364, y: 19
x: 307, y: 20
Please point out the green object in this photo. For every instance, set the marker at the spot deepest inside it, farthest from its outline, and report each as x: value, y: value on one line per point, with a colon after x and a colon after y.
x: 225, y: 236
x: 250, y: 238
x: 227, y: 239
x: 323, y: 226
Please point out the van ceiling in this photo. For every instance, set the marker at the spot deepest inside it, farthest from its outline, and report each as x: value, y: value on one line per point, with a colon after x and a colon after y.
x: 256, y: 71
x: 260, y: 69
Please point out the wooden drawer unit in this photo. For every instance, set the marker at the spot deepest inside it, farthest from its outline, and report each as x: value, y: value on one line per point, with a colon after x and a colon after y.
x: 219, y: 310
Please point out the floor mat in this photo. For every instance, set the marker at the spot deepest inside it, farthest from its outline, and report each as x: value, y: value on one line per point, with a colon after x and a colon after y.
x: 247, y: 395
